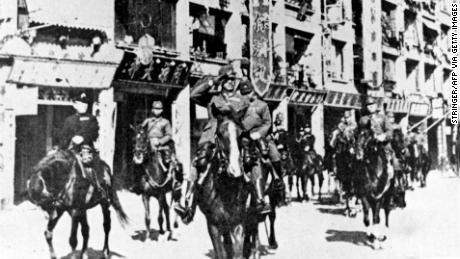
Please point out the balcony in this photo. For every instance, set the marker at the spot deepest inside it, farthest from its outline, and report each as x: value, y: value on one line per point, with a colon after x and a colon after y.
x: 413, y: 5
x: 304, y: 8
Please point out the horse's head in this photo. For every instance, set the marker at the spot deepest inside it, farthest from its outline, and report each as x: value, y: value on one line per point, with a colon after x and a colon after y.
x: 364, y: 139
x: 398, y: 141
x: 227, y: 140
x: 141, y: 145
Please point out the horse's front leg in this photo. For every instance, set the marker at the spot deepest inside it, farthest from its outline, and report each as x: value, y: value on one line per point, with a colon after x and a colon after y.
x: 146, y: 201
x: 73, y: 240
x: 320, y: 183
x: 272, y: 239
x: 165, y: 207
x: 54, y: 216
x: 377, y: 228
x: 366, y: 221
x: 107, y: 226
x: 238, y: 241
x: 216, y: 239
x: 84, y: 232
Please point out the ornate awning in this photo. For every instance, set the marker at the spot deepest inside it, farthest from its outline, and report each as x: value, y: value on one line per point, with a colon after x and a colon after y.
x: 397, y: 106
x: 61, y: 73
x: 156, y: 73
x: 343, y: 100
x: 304, y: 97
x: 307, y: 97
x: 277, y: 92
x: 73, y: 13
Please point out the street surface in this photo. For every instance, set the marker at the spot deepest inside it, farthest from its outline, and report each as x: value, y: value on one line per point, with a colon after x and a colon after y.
x: 428, y: 228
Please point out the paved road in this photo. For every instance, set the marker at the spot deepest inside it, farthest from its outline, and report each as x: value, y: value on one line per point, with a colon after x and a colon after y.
x: 428, y: 228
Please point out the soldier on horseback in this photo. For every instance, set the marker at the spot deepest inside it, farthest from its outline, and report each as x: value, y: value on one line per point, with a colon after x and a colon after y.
x: 380, y: 128
x: 218, y: 95
x: 79, y: 133
x: 257, y: 122
x: 159, y: 133
x: 307, y: 143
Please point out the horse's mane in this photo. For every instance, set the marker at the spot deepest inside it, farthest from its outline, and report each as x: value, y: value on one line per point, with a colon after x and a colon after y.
x: 60, y: 156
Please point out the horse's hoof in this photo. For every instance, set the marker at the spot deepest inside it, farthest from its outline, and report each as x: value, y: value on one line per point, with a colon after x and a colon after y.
x: 370, y: 237
x: 176, y: 225
x: 273, y: 244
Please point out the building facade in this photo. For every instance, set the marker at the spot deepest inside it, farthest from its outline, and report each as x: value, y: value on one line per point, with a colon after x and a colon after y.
x: 327, y: 55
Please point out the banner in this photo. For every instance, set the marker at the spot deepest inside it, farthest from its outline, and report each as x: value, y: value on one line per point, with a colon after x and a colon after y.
x: 282, y: 110
x: 181, y: 127
x: 260, y: 35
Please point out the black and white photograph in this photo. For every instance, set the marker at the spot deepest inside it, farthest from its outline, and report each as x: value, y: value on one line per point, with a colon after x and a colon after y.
x: 229, y: 129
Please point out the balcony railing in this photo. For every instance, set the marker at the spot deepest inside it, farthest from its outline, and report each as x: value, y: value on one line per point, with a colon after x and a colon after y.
x: 304, y: 8
x: 430, y: 7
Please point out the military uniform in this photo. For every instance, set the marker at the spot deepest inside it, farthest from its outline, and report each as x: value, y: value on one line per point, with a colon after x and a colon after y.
x: 84, y: 125
x: 205, y: 94
x: 158, y: 128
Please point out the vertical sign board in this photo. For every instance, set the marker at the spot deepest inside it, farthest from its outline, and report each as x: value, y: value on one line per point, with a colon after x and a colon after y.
x: 181, y: 127
x: 260, y: 45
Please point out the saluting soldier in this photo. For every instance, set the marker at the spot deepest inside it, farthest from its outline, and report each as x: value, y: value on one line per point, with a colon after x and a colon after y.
x: 216, y: 94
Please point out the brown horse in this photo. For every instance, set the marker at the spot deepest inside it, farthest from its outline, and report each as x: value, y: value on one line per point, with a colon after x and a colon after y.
x: 59, y: 184
x: 222, y: 194
x: 373, y: 183
x: 308, y: 166
x: 156, y: 179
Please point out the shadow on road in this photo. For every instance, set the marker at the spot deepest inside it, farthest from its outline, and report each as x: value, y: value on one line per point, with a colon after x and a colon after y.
x: 263, y: 249
x: 333, y: 211
x: 358, y: 238
x: 141, y: 235
x: 93, y: 254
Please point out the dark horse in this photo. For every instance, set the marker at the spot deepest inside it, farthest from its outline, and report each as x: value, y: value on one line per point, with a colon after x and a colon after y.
x: 253, y: 159
x: 59, y: 183
x: 222, y: 194
x: 374, y: 184
x: 419, y: 162
x: 156, y: 177
x: 309, y: 165
x: 342, y: 157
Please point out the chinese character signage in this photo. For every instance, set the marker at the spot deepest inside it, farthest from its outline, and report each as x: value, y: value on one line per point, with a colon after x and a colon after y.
x: 260, y: 45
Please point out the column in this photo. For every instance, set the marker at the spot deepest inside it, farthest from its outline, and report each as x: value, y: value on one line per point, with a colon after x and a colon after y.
x: 106, y: 111
x: 317, y: 127
x: 183, y: 36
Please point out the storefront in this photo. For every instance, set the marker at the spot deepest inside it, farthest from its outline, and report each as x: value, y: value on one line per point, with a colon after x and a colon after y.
x: 136, y: 86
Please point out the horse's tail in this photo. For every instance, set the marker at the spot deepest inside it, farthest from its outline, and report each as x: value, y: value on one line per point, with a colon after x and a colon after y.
x: 122, y: 216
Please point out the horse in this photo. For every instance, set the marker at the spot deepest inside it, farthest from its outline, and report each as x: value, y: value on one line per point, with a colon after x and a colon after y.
x: 342, y: 155
x: 253, y: 160
x: 373, y: 184
x: 308, y: 166
x: 222, y: 193
x: 419, y: 162
x: 60, y: 183
x: 157, y: 178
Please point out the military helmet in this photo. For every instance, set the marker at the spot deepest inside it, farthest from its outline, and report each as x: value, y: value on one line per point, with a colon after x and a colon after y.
x: 370, y: 100
x: 245, y: 87
x: 81, y: 98
x: 226, y: 71
x: 157, y: 105
x: 347, y: 114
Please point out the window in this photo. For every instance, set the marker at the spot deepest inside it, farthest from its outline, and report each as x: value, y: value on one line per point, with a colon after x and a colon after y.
x: 411, y: 36
x: 208, y: 31
x: 297, y: 43
x: 429, y: 37
x: 389, y: 32
x: 155, y: 18
x: 338, y: 60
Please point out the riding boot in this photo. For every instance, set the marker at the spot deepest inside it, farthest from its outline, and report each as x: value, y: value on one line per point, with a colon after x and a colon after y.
x: 278, y: 181
x: 185, y: 212
x: 261, y: 206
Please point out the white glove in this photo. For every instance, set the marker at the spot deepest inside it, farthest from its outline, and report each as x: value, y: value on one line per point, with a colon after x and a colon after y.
x: 255, y: 136
x: 381, y: 137
x: 77, y: 139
